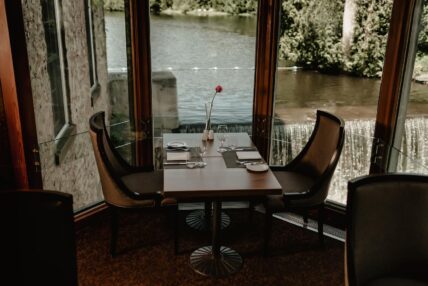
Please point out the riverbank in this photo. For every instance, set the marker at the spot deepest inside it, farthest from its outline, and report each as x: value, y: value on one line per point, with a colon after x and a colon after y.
x: 183, y: 9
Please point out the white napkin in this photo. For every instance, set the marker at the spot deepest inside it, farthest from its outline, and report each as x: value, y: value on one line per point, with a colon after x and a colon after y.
x: 248, y: 155
x: 177, y: 156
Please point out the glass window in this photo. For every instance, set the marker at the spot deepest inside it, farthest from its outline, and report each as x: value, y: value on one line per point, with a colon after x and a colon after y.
x: 195, y: 49
x: 330, y: 58
x: 52, y: 23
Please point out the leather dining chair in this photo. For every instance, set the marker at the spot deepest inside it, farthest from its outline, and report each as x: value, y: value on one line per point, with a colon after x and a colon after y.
x: 37, y: 241
x: 125, y: 186
x: 387, y: 230
x: 306, y: 179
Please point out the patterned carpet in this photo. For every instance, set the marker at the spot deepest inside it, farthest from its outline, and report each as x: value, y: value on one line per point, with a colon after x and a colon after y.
x: 147, y: 258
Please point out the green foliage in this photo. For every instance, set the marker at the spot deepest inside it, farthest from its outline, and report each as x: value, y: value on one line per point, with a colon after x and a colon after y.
x: 156, y: 6
x: 421, y: 65
x: 370, y: 36
x: 311, y: 34
x: 423, y: 32
x: 228, y: 6
x: 236, y: 6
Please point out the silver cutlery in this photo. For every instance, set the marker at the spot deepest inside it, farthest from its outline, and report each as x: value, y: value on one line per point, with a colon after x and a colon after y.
x: 249, y: 162
x: 175, y: 163
x: 244, y: 149
x: 189, y: 164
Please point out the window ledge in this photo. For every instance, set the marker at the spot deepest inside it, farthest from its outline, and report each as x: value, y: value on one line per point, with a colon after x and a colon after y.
x: 95, y: 93
x: 62, y: 144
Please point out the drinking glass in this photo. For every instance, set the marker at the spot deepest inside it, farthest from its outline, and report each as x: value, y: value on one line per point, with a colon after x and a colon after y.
x: 222, y: 136
x: 203, y: 147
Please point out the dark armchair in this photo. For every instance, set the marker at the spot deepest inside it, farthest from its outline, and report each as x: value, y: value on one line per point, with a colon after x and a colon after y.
x: 37, y: 241
x: 306, y: 179
x: 124, y: 186
x: 387, y: 231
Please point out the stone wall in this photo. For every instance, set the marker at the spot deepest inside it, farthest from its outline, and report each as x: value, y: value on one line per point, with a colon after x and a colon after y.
x: 76, y: 173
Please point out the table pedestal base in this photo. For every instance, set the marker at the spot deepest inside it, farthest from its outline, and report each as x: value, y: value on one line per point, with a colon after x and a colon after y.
x: 196, y: 220
x: 206, y: 263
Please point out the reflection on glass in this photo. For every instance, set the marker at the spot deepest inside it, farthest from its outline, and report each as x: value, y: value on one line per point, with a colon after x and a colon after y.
x: 222, y: 136
x: 330, y: 58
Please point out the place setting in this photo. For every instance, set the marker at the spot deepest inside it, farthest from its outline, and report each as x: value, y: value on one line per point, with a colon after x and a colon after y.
x: 178, y: 154
x: 244, y: 157
x: 252, y: 161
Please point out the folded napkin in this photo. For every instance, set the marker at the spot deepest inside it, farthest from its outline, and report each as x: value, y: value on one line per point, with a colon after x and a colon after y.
x: 248, y: 155
x: 177, y: 156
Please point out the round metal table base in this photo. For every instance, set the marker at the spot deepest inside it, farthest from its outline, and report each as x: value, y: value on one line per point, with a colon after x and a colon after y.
x: 203, y: 261
x: 196, y: 220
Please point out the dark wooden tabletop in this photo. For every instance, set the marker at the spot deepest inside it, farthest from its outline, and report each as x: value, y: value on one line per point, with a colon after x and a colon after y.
x: 216, y: 180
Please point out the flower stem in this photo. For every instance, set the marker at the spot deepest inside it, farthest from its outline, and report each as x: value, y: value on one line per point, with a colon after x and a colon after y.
x: 208, y: 123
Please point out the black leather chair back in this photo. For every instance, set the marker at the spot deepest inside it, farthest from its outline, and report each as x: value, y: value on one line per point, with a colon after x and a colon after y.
x: 387, y: 233
x: 37, y: 238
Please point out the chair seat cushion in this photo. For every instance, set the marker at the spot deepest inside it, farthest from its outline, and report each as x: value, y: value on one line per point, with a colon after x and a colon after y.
x: 391, y: 281
x: 291, y: 183
x: 144, y: 182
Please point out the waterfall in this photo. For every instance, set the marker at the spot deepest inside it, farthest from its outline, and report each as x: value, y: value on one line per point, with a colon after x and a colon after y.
x: 413, y: 154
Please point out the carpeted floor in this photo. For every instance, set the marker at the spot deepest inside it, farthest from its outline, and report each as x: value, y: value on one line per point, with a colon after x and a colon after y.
x: 147, y: 258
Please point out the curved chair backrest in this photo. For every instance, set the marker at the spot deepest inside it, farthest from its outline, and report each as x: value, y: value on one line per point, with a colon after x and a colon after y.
x: 321, y: 154
x: 387, y: 233
x: 38, y: 238
x: 110, y: 165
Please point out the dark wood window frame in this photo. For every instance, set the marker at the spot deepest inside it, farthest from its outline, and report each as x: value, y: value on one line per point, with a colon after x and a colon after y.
x: 393, y: 79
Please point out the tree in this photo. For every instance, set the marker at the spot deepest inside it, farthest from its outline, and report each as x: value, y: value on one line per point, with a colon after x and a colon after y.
x: 370, y: 36
x: 311, y: 34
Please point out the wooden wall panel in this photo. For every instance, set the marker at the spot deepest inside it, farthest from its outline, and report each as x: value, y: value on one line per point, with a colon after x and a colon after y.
x: 17, y: 96
x: 6, y: 171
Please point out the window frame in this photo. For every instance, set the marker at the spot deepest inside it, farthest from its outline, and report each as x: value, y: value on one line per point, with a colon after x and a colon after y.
x: 393, y: 84
x: 62, y: 137
x: 63, y: 69
x: 91, y: 45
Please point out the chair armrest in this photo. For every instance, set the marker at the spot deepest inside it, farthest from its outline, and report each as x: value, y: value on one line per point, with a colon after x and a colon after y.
x: 295, y: 196
x: 285, y: 168
x: 150, y: 196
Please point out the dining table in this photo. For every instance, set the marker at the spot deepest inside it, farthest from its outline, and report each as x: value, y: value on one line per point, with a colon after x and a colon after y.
x: 216, y: 177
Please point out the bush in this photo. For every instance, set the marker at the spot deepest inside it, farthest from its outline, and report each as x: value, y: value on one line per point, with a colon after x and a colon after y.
x: 228, y: 6
x: 311, y: 34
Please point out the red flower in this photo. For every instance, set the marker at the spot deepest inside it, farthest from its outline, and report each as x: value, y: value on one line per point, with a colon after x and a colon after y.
x: 218, y: 89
